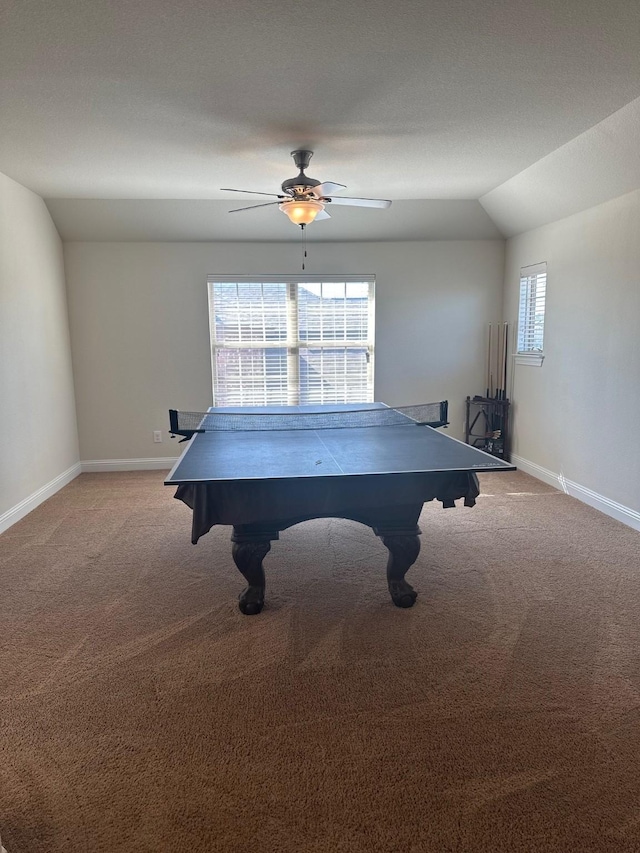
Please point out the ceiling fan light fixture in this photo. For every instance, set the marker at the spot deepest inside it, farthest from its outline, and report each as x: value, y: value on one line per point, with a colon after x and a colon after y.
x: 301, y: 212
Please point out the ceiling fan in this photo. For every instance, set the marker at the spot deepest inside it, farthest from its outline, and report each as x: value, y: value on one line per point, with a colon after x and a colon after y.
x: 304, y: 199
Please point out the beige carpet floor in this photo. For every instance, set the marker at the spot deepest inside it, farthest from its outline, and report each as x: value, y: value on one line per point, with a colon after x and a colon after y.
x: 141, y: 711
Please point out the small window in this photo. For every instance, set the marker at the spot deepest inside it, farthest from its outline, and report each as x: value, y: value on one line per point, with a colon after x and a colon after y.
x: 533, y: 288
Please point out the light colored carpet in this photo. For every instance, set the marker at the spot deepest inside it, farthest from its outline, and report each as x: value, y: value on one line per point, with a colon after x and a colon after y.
x: 141, y: 711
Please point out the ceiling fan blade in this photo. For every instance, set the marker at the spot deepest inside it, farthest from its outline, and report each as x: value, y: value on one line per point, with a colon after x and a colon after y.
x: 253, y: 192
x: 322, y: 215
x: 328, y: 188
x: 358, y: 202
x: 252, y: 206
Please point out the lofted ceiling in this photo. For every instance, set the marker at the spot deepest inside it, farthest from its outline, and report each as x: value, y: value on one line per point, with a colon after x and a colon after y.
x: 475, y: 117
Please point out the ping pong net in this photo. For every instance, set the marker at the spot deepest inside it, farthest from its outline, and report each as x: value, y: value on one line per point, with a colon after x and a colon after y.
x: 188, y: 424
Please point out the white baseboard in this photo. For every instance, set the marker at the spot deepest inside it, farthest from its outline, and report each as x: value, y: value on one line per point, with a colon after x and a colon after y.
x: 96, y: 465
x: 611, y: 508
x: 536, y: 471
x: 28, y: 504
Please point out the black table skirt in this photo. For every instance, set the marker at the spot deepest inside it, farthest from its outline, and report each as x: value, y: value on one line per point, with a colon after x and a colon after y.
x: 289, y: 501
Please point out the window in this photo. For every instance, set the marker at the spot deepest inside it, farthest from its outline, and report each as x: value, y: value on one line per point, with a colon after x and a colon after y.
x: 285, y: 341
x: 533, y: 287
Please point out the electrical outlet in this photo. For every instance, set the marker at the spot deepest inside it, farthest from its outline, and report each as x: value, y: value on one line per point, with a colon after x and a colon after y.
x: 157, y: 436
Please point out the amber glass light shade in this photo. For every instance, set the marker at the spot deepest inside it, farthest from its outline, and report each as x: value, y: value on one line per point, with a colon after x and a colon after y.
x: 301, y: 212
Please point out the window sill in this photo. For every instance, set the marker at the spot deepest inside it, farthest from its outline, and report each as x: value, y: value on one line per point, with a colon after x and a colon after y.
x: 533, y: 359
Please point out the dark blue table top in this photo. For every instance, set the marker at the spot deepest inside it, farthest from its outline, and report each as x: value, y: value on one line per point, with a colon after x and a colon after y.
x: 238, y: 455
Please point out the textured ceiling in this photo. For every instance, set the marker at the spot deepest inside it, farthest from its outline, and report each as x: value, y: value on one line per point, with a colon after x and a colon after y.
x: 443, y: 101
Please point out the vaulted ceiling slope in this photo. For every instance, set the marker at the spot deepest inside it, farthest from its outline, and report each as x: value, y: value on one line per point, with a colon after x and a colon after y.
x: 475, y: 117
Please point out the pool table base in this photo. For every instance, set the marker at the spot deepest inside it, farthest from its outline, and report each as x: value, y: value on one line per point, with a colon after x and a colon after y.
x: 396, y: 526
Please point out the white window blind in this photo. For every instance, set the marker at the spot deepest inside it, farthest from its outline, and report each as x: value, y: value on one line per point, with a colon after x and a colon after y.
x: 533, y: 289
x: 286, y: 341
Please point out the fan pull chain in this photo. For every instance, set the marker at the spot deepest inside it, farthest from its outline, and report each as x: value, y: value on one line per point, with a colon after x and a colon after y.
x: 304, y: 243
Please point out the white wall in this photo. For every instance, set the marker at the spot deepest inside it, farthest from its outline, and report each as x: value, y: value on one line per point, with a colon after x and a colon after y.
x: 578, y: 415
x: 140, y: 336
x: 39, y: 443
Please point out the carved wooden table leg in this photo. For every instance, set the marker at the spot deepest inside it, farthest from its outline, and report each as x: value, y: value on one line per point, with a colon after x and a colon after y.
x: 404, y: 547
x: 249, y: 548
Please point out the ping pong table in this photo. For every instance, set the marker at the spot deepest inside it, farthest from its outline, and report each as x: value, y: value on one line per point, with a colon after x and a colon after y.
x: 263, y: 481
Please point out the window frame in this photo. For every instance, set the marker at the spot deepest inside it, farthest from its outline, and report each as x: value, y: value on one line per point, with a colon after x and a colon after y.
x: 526, y: 352
x: 294, y: 342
